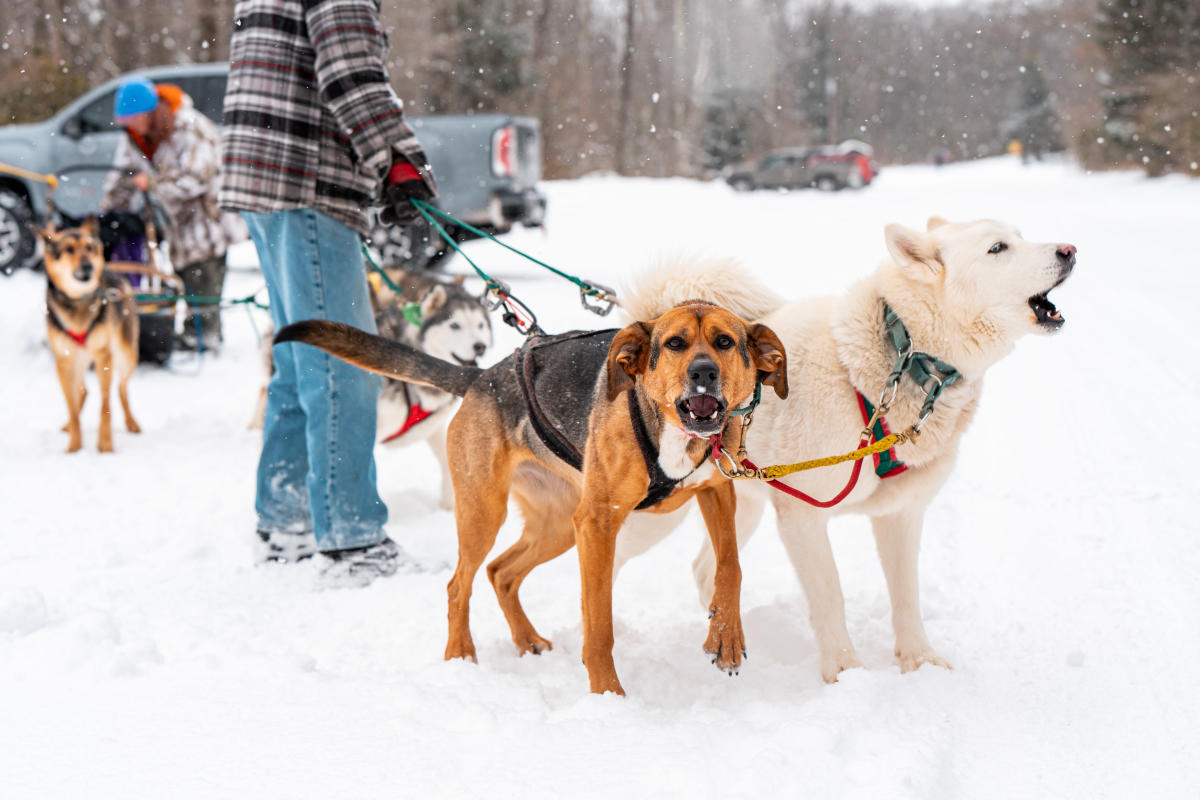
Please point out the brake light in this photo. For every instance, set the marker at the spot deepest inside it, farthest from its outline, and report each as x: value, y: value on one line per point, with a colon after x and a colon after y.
x: 503, y: 157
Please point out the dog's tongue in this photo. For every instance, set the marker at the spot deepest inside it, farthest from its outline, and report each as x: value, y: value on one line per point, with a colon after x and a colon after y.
x: 702, y: 405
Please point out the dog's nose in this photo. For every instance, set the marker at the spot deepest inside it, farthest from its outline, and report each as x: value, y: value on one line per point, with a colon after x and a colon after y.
x: 480, y: 348
x: 1066, y: 253
x: 703, y: 372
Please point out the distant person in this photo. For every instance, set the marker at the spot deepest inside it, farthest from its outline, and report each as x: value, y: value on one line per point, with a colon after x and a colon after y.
x: 311, y: 128
x: 174, y: 151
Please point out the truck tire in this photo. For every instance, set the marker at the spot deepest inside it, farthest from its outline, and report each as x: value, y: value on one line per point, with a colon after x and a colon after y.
x: 17, y: 241
x: 415, y: 246
x: 827, y: 183
x: 741, y: 184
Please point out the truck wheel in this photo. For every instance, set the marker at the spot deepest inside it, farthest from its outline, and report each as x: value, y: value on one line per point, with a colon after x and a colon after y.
x: 17, y: 241
x: 828, y: 183
x: 415, y: 246
x: 741, y: 185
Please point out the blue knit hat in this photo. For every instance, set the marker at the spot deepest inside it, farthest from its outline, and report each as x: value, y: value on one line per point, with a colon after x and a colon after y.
x: 134, y: 96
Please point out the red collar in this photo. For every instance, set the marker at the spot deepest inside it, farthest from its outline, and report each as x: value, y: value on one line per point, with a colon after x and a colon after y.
x: 80, y: 337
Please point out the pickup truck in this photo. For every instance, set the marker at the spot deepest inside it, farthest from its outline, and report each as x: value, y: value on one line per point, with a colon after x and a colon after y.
x: 487, y: 166
x: 828, y: 167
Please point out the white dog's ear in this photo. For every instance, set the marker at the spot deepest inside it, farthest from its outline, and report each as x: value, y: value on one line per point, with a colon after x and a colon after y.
x: 934, y: 222
x: 915, y: 252
x: 431, y: 302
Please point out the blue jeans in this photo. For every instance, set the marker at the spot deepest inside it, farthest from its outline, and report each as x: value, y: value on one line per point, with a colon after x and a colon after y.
x: 317, y: 468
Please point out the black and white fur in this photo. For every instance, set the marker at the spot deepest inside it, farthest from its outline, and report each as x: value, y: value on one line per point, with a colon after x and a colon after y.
x: 454, y: 327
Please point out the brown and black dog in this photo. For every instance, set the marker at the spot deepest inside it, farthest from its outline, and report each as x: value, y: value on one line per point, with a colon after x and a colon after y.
x: 582, y: 429
x: 91, y: 318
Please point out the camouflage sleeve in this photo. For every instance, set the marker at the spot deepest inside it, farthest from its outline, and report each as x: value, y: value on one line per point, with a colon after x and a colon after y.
x: 193, y: 162
x: 119, y: 190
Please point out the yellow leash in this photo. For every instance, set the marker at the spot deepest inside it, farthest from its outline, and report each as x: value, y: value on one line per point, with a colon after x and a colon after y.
x: 780, y: 470
x: 49, y: 180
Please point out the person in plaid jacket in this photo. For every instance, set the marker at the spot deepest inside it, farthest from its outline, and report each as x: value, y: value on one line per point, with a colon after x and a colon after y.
x: 311, y: 129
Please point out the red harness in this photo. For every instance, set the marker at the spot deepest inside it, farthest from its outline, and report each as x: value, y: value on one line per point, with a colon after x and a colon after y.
x: 415, y: 415
x: 80, y: 337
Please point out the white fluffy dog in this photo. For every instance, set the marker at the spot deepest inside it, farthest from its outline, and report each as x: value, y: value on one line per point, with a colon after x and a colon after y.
x: 965, y: 293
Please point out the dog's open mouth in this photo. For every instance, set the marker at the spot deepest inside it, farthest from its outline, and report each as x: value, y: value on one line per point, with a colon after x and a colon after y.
x: 474, y: 362
x: 1045, y: 312
x: 701, y: 414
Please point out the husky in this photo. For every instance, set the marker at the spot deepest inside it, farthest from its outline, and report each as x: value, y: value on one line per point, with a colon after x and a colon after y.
x: 963, y: 294
x: 91, y: 318
x: 439, y: 318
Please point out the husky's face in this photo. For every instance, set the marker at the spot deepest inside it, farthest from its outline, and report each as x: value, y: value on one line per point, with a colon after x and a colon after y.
x: 985, y: 269
x: 456, y: 330
x: 74, y: 258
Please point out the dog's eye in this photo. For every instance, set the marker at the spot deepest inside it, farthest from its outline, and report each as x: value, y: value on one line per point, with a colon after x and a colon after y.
x: 675, y: 343
x: 998, y: 247
x: 454, y: 326
x: 723, y: 342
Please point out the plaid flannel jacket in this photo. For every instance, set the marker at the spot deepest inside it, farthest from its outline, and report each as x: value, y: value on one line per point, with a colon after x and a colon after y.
x: 310, y: 119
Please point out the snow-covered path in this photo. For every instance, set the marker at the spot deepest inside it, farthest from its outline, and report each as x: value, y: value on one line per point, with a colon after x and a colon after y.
x: 143, y: 653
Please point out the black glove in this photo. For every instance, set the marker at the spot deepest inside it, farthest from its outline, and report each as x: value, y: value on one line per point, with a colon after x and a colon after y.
x: 401, y: 185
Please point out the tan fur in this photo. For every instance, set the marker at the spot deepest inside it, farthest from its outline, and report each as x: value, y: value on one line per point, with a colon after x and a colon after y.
x: 960, y: 303
x: 99, y: 305
x: 562, y: 507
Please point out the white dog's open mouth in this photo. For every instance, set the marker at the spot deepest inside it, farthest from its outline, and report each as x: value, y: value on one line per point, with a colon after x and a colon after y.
x: 474, y: 362
x: 1045, y: 312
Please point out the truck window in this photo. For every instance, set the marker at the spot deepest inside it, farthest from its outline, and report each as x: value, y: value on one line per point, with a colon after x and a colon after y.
x: 97, y: 115
x: 207, y: 92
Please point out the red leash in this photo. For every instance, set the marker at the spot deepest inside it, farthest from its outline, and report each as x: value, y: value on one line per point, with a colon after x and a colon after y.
x: 718, y: 450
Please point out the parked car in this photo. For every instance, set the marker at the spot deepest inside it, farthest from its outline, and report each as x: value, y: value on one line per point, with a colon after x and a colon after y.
x: 828, y: 167
x: 487, y: 166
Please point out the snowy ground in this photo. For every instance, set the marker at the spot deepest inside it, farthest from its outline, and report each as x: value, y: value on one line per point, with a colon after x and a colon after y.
x: 143, y: 653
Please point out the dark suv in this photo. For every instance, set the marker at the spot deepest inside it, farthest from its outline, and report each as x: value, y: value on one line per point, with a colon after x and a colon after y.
x: 487, y: 167
x: 828, y: 167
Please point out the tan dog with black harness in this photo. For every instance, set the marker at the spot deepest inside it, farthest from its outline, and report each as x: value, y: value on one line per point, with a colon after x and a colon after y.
x: 91, y: 317
x: 583, y: 429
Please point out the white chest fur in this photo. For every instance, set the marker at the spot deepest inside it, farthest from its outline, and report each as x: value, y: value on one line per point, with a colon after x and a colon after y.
x: 674, y: 459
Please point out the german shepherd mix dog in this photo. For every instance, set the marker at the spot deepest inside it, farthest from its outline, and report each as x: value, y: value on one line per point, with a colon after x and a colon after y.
x: 439, y: 318
x: 964, y: 293
x: 91, y: 318
x: 582, y: 429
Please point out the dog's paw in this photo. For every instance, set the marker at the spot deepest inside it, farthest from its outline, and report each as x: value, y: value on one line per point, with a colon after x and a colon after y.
x: 461, y: 647
x: 726, y: 644
x: 911, y: 660
x: 132, y: 426
x: 533, y: 644
x: 833, y: 665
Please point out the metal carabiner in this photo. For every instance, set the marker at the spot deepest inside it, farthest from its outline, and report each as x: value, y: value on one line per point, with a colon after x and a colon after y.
x: 605, y: 298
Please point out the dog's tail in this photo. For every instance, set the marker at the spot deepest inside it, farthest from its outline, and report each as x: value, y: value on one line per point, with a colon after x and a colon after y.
x: 377, y: 354
x: 724, y: 282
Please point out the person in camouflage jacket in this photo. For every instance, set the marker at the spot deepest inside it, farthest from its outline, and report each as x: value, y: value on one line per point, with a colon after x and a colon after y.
x: 174, y: 151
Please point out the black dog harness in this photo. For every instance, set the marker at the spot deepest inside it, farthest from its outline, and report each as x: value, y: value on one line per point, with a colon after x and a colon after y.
x: 558, y: 442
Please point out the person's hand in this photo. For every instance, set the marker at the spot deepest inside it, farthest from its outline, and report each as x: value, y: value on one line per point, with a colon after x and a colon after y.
x: 401, y: 185
x: 142, y: 181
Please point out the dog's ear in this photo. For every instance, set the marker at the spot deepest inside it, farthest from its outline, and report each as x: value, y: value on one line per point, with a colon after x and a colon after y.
x: 46, y: 234
x: 627, y: 356
x: 915, y: 252
x: 92, y: 226
x: 769, y: 358
x: 431, y: 302
x: 934, y: 222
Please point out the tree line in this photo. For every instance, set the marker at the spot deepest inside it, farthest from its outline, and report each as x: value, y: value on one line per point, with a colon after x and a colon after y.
x: 686, y: 87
